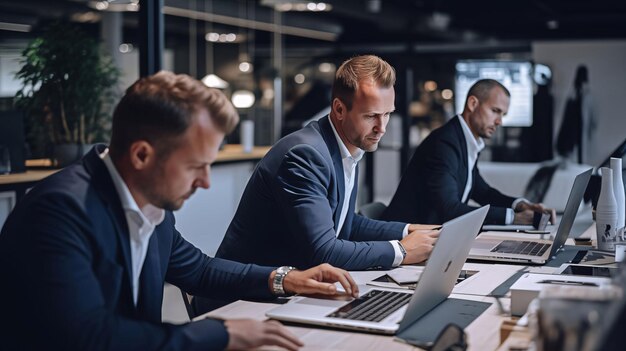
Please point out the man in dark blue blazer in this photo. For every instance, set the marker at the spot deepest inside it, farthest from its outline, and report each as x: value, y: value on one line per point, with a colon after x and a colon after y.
x: 85, y: 254
x: 298, y: 207
x: 443, y: 173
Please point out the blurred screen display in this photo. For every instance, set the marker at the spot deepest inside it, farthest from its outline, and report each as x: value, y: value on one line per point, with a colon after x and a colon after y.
x: 516, y: 76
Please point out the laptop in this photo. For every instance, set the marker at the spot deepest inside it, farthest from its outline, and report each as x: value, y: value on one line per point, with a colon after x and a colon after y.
x: 389, y: 311
x: 492, y: 247
x: 539, y: 226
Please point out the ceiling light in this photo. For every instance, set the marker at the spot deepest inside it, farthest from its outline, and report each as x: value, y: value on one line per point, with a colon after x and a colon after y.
x: 447, y: 94
x: 126, y: 48
x: 245, y: 67
x: 326, y: 67
x: 223, y: 37
x: 213, y: 37
x: 430, y: 85
x: 297, y: 5
x: 102, y: 5
x: 117, y: 6
x: 299, y: 78
x: 213, y: 81
x: 243, y: 99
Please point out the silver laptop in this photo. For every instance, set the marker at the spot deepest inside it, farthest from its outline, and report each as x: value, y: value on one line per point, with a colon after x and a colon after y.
x: 534, y: 251
x: 388, y: 311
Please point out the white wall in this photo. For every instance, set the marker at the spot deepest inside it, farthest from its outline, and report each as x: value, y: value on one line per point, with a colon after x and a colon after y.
x: 204, y: 218
x: 606, y: 62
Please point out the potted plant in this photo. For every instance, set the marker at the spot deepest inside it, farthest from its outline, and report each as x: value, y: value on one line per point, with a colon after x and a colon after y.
x: 67, y: 93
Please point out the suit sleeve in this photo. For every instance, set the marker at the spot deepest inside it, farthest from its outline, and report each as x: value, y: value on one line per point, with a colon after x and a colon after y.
x: 66, y: 309
x: 304, y: 179
x: 485, y: 194
x: 367, y: 229
x: 201, y: 275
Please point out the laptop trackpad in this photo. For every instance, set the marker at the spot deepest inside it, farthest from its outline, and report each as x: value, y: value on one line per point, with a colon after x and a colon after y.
x: 426, y: 329
x: 485, y: 244
x: 319, y: 302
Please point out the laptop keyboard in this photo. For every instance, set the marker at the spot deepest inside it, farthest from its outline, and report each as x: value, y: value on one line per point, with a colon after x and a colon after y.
x: 374, y: 306
x: 531, y: 248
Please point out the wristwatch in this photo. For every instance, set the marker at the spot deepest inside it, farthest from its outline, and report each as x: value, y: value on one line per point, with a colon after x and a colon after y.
x: 402, y: 249
x: 279, y: 279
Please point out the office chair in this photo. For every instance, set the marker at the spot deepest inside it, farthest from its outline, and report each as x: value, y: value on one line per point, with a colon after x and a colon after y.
x: 373, y: 210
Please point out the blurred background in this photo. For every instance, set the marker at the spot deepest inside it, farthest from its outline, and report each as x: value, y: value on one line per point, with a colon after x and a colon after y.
x: 276, y: 59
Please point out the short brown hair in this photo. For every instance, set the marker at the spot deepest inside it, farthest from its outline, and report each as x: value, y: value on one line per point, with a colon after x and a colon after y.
x: 482, y: 88
x: 358, y: 69
x: 160, y: 107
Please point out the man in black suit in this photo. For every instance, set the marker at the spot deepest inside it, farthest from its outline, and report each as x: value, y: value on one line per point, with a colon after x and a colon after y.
x: 443, y: 173
x: 85, y: 254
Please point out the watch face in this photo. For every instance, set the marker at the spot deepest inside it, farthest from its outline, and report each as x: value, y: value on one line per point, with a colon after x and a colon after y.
x: 284, y: 269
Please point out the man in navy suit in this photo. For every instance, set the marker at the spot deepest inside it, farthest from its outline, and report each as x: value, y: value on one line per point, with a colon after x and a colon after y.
x: 443, y: 173
x: 298, y: 207
x: 85, y: 254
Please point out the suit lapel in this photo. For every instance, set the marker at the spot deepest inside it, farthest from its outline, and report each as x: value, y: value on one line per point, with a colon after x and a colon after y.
x: 150, y: 287
x: 104, y: 184
x: 460, y: 136
x: 347, y: 225
x: 333, y: 148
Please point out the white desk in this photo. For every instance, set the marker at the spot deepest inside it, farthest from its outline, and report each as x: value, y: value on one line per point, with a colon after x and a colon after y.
x: 483, y: 333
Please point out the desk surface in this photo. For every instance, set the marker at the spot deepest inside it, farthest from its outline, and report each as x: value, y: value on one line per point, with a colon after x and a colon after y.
x: 230, y: 153
x: 483, y: 333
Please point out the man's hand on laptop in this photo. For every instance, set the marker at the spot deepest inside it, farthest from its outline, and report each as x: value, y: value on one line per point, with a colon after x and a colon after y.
x: 525, y: 212
x: 418, y: 244
x: 424, y: 227
x: 245, y: 334
x: 320, y: 280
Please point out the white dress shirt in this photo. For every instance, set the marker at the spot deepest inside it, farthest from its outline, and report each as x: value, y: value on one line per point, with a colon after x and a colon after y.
x: 474, y: 146
x: 349, y: 163
x: 141, y: 222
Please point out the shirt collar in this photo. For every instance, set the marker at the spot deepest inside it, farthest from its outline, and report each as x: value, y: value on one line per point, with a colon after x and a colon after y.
x: 345, y: 153
x: 473, y: 144
x: 149, y: 212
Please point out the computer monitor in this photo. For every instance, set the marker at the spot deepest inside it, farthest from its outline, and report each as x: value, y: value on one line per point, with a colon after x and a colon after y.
x: 516, y: 76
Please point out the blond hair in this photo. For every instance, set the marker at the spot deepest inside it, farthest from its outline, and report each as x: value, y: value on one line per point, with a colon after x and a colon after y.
x: 357, y: 69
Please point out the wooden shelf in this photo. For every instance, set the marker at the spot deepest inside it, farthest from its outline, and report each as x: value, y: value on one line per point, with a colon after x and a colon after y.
x: 230, y: 153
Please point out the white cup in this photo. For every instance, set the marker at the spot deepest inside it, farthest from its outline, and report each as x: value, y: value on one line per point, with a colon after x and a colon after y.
x: 620, y: 252
x: 247, y: 135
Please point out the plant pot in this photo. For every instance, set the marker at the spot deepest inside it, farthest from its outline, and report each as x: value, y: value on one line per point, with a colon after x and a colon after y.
x: 66, y: 154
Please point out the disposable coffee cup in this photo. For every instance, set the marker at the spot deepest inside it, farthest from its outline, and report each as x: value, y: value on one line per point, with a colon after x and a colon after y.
x: 247, y: 136
x: 620, y: 251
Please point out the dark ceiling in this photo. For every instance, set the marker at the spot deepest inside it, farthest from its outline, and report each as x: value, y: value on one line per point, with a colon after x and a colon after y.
x: 462, y: 20
x: 391, y: 21
x: 379, y: 26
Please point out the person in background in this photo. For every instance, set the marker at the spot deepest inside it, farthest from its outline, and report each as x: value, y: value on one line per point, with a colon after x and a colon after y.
x: 299, y: 206
x: 84, y: 255
x: 579, y: 124
x: 443, y: 173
